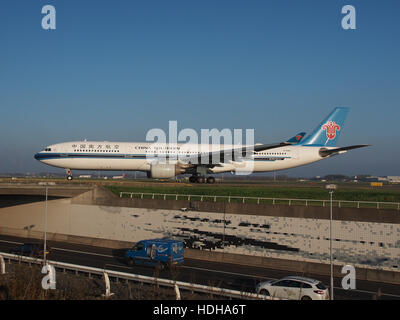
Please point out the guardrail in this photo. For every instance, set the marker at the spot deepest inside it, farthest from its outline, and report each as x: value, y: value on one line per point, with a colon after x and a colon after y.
x: 106, y: 273
x: 259, y: 200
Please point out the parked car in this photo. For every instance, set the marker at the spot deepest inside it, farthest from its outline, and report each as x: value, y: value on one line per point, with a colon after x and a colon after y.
x: 31, y: 250
x: 294, y: 288
x: 163, y: 252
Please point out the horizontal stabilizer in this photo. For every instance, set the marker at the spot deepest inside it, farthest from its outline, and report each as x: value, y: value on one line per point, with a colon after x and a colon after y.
x: 323, y: 152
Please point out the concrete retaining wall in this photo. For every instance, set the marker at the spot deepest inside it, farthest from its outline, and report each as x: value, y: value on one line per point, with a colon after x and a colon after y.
x: 372, y: 244
x: 39, y: 235
x: 57, y: 191
x: 280, y: 237
x: 310, y: 212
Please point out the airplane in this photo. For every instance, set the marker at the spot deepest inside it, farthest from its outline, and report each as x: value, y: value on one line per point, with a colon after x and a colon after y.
x: 184, y: 158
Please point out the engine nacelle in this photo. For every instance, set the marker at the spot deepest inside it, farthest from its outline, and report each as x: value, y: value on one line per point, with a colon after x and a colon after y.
x: 162, y: 171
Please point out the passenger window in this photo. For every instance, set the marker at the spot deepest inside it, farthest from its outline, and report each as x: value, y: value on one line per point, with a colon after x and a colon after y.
x: 294, y: 284
x: 283, y: 283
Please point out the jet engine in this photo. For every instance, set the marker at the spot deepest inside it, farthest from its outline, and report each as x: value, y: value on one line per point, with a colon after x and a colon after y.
x: 163, y: 171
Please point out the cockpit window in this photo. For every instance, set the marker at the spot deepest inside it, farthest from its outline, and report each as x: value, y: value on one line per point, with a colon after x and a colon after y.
x: 47, y: 149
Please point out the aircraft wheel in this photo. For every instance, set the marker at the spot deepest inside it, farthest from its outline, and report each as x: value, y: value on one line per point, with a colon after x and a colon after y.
x: 211, y: 180
x: 193, y: 179
x: 201, y: 179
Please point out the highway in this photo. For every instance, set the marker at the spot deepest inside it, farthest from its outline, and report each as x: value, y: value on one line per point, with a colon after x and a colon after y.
x: 231, y: 276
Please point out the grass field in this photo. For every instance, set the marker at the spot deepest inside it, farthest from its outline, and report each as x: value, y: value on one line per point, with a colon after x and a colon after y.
x: 277, y: 191
x: 243, y: 188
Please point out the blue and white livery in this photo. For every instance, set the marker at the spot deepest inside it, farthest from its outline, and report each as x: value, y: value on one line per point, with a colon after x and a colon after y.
x: 187, y: 158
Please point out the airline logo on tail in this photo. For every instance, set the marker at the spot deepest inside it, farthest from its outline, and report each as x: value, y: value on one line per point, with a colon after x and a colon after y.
x: 331, y: 127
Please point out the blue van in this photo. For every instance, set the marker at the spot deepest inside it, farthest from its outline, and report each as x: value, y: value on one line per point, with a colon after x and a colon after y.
x: 165, y: 252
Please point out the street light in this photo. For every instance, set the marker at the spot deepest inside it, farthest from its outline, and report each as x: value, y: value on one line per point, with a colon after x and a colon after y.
x: 45, y: 229
x: 331, y: 188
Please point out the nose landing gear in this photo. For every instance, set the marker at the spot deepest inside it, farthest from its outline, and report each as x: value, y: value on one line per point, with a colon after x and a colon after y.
x: 69, y: 174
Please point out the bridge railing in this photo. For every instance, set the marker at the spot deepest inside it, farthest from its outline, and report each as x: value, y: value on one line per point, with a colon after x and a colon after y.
x: 107, y: 273
x: 263, y: 200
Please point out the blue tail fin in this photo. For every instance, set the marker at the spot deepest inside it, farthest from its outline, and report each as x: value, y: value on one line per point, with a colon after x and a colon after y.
x: 328, y: 131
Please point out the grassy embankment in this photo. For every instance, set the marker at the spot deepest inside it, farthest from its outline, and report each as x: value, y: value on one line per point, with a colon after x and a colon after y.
x: 288, y: 192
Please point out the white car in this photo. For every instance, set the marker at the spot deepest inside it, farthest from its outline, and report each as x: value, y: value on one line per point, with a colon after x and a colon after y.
x: 294, y: 288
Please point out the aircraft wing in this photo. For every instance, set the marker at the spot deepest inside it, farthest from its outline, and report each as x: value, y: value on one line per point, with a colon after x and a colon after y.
x: 329, y: 152
x: 235, y: 154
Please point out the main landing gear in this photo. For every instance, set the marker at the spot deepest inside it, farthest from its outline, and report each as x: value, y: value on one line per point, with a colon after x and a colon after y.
x: 201, y: 179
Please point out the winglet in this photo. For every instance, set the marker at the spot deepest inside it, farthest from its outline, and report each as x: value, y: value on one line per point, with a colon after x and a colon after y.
x: 297, y: 138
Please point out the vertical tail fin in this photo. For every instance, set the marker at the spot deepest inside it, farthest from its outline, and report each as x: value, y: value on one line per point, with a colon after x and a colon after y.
x: 328, y: 131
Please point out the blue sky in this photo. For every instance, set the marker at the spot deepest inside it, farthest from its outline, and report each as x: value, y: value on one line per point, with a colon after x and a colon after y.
x: 112, y: 70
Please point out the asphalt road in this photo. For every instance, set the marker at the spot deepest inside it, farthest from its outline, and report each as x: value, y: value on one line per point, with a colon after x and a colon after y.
x: 223, y: 275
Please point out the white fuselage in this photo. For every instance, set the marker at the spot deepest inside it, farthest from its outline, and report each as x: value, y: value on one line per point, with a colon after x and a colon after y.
x: 125, y: 156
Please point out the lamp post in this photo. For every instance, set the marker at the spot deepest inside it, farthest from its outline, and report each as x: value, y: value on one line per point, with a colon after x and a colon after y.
x: 223, y: 234
x: 331, y: 188
x: 45, y: 229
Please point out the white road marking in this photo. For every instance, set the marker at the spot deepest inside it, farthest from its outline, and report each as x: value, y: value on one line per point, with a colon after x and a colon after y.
x: 11, y: 242
x: 227, y: 272
x: 114, y: 265
x: 83, y: 252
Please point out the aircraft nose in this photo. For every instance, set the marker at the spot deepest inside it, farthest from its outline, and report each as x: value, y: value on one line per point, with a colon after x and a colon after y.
x: 37, y: 156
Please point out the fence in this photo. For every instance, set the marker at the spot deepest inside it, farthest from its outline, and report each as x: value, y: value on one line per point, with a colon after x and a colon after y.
x: 262, y: 200
x: 176, y: 285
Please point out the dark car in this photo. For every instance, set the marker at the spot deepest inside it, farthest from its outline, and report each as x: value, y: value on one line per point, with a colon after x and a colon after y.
x: 31, y: 250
